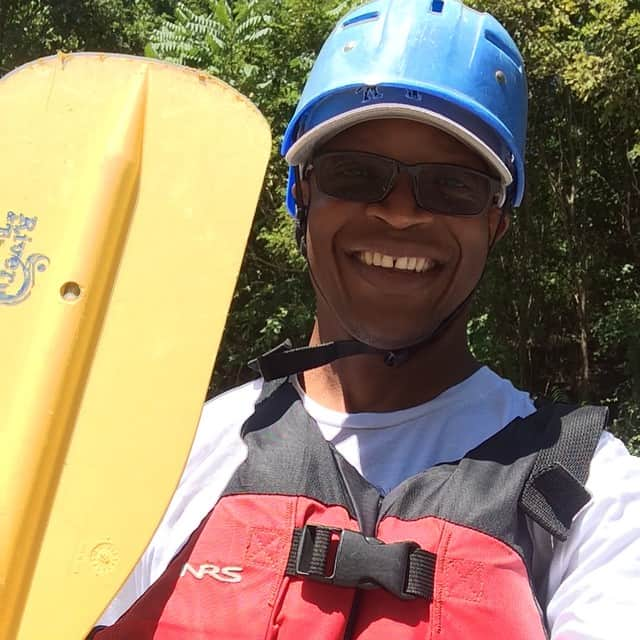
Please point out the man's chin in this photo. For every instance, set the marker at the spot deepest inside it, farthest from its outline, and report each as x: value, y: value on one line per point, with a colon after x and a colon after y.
x: 391, y: 340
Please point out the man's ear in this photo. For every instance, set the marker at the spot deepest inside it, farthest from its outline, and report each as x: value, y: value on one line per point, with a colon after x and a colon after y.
x: 500, y: 221
x: 300, y: 192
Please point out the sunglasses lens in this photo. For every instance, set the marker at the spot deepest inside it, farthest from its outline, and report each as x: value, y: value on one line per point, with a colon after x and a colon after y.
x: 439, y: 188
x: 452, y: 190
x: 354, y: 176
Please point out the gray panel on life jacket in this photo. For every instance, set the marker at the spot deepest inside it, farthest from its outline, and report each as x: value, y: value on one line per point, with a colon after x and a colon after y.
x: 484, y: 490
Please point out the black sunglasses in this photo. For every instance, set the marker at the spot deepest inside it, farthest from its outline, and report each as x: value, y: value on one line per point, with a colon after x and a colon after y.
x: 439, y: 188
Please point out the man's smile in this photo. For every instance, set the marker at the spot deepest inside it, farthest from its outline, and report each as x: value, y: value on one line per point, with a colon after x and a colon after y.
x: 392, y: 275
x: 401, y: 263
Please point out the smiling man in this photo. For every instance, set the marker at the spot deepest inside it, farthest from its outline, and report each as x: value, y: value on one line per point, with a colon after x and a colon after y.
x: 381, y: 482
x: 404, y: 216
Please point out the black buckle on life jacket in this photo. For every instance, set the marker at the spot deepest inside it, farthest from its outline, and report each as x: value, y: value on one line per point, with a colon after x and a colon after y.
x: 363, y: 562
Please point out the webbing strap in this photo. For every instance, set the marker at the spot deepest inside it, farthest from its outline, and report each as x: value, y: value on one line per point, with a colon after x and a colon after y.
x: 318, y: 556
x: 420, y: 577
x: 285, y: 360
x: 402, y: 568
x: 554, y: 491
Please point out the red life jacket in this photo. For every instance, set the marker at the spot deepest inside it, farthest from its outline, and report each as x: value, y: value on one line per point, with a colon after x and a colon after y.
x: 301, y: 546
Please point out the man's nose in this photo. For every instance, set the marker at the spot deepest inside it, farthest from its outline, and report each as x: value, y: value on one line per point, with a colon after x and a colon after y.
x: 400, y: 209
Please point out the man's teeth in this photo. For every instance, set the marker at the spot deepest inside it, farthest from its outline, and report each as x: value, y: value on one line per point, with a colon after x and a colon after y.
x: 403, y: 263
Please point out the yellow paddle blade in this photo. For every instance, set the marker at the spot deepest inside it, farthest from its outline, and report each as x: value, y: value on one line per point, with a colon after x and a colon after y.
x: 127, y: 192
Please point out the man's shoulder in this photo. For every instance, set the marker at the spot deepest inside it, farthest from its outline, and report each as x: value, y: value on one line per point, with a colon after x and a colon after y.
x: 222, y: 418
x: 612, y: 469
x: 234, y: 403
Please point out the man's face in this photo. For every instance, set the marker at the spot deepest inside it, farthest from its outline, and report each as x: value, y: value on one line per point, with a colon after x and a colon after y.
x: 384, y: 306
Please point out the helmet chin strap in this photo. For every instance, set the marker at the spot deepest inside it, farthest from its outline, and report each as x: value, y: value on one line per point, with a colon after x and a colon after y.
x: 285, y: 360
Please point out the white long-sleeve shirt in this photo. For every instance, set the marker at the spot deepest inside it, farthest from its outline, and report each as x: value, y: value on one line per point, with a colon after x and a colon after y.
x: 594, y: 577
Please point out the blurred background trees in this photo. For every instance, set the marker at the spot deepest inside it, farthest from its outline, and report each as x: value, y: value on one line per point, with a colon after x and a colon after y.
x: 559, y: 308
x: 563, y: 296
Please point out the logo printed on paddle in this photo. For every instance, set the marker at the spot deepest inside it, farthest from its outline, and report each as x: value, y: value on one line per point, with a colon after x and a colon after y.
x: 17, y: 267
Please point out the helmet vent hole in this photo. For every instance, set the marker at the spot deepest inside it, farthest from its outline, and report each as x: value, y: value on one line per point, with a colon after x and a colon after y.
x: 498, y: 41
x: 437, y: 6
x: 363, y: 17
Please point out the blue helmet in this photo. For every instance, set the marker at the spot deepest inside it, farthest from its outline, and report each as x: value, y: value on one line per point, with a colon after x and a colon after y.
x: 434, y: 61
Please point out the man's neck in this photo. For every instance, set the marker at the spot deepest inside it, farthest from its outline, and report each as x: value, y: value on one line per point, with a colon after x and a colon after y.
x: 365, y: 384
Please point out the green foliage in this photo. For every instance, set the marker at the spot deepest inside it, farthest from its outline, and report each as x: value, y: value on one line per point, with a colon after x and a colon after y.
x: 219, y: 41
x: 33, y: 28
x: 571, y: 324
x: 559, y: 308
